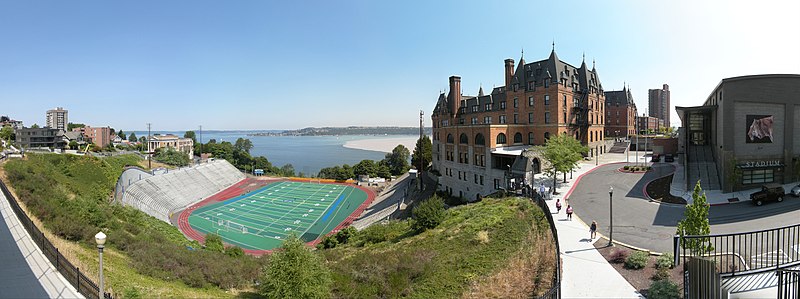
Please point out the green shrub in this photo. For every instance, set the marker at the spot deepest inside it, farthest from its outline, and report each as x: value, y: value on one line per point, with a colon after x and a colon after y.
x: 234, y: 251
x: 428, y: 214
x: 381, y: 232
x: 214, y: 243
x: 661, y: 274
x: 626, y: 167
x: 328, y: 242
x: 637, y: 260
x: 294, y: 271
x: 344, y: 235
x: 663, y: 289
x: 665, y: 261
x: 131, y: 293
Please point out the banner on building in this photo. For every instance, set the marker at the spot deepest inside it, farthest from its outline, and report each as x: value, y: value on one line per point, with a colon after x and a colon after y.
x: 759, y: 128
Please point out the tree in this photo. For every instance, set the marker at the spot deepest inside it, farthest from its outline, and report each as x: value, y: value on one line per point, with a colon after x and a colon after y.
x: 122, y: 135
x: 73, y: 145
x: 243, y: 144
x: 132, y: 137
x: 365, y: 167
x: 397, y: 160
x: 214, y: 243
x: 295, y: 271
x: 382, y: 170
x: 695, y: 223
x: 563, y: 152
x: 190, y: 134
x: 287, y: 170
x: 172, y: 157
x: 426, y: 147
x: 7, y: 133
x: 71, y: 126
x: 35, y: 126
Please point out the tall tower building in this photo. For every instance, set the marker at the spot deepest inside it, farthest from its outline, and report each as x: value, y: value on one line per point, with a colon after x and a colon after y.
x: 658, y: 100
x: 57, y: 118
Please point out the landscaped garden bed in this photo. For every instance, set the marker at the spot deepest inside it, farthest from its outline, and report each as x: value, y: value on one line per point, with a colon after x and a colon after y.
x: 641, y: 269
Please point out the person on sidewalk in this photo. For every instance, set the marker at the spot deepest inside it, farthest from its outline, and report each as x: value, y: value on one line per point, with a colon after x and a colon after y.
x: 558, y: 206
x: 593, y: 230
x: 569, y: 212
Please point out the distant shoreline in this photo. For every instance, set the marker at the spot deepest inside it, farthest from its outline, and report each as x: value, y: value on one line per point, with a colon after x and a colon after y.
x: 385, y: 145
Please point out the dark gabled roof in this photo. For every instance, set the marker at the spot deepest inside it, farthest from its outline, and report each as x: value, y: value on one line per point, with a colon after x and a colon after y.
x: 620, y: 97
x: 555, y: 70
x: 441, y: 105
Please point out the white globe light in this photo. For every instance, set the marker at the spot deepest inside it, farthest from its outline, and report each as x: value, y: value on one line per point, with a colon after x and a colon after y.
x: 100, y: 238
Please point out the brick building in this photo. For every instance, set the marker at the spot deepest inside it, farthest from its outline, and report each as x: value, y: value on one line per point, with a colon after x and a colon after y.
x: 620, y: 113
x: 476, y: 139
x: 101, y: 136
x: 649, y: 124
x: 658, y: 103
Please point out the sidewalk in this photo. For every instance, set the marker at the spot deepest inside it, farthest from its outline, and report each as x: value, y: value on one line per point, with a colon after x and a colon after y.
x: 55, y: 285
x: 713, y: 197
x: 585, y: 273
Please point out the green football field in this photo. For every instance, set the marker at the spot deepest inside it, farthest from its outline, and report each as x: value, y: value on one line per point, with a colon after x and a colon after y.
x: 261, y: 219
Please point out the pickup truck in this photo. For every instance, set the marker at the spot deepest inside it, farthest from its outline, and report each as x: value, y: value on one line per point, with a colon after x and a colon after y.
x: 769, y: 192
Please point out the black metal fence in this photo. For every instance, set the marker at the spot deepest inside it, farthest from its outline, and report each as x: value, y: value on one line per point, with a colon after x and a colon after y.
x: 744, y: 253
x: 555, y: 290
x: 788, y: 283
x: 73, y: 274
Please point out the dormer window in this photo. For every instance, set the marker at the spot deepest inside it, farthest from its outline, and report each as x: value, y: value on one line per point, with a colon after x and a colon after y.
x: 516, y: 86
x: 546, y: 83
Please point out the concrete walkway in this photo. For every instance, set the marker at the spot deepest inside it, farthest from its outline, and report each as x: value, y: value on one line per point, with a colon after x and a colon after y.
x: 26, y: 272
x: 585, y: 273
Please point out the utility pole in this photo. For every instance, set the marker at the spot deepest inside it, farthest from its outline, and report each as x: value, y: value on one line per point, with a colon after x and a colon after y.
x: 149, y: 152
x: 419, y: 151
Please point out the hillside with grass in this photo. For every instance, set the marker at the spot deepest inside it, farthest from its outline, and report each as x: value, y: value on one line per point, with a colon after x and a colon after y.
x: 497, y: 248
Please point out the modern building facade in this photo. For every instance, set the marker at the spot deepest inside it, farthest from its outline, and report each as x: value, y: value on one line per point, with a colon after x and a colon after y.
x: 40, y: 138
x: 748, y: 129
x: 185, y: 145
x: 57, y: 118
x: 658, y: 103
x: 476, y: 139
x: 620, y: 113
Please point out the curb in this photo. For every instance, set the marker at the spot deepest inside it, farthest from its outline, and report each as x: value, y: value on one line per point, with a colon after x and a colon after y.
x: 601, y: 236
x: 578, y: 179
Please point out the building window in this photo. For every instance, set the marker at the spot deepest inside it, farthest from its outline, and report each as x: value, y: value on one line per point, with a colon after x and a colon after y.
x: 565, y: 117
x: 530, y: 138
x: 501, y: 138
x: 516, y: 116
x: 487, y: 120
x: 503, y: 105
x: 474, y: 108
x: 758, y: 176
x: 546, y: 136
x: 497, y: 183
x: 565, y: 101
x: 530, y: 117
x: 530, y: 101
x: 449, y: 138
x: 488, y: 107
x: 516, y: 104
x: 518, y: 137
x: 546, y: 100
x: 547, y: 117
x: 481, y: 180
x: 546, y: 83
x: 502, y: 119
x: 476, y: 178
x: 474, y: 120
x: 479, y: 139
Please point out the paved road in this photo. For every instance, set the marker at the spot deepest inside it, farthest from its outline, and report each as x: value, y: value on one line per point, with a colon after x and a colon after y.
x: 649, y: 225
x: 16, y: 278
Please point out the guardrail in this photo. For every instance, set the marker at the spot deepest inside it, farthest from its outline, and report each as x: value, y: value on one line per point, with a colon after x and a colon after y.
x: 73, y: 274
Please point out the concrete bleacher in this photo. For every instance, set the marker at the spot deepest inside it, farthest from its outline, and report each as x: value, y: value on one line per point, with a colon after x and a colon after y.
x: 162, y: 195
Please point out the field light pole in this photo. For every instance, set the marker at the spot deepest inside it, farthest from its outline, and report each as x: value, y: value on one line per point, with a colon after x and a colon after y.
x: 100, y: 238
x: 611, y: 215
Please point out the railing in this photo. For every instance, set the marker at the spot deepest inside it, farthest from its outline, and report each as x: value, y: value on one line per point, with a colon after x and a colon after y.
x: 555, y: 290
x: 744, y: 253
x: 83, y: 284
x: 788, y: 284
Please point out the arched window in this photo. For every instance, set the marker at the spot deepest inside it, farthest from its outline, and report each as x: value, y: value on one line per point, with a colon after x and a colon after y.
x: 449, y: 138
x: 530, y: 138
x: 463, y: 139
x: 479, y: 139
x: 518, y: 138
x: 501, y: 138
x: 546, y: 136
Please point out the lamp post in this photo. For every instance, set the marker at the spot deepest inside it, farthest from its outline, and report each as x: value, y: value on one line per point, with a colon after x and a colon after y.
x: 610, y: 215
x: 100, y: 238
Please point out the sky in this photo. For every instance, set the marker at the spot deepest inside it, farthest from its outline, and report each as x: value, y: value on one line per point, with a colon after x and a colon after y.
x: 292, y: 64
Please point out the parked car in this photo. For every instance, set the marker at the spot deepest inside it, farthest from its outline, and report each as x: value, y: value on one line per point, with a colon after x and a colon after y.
x: 769, y: 192
x: 656, y: 158
x: 796, y: 191
x: 669, y: 158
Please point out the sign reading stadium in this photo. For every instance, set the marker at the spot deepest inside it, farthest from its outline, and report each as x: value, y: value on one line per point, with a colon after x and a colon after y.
x: 755, y: 164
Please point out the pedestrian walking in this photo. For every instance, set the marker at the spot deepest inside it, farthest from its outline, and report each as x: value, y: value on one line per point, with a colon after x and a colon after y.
x: 558, y: 206
x: 593, y: 230
x: 541, y: 189
x: 569, y: 212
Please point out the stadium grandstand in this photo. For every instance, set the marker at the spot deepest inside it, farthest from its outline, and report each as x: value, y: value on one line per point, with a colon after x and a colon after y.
x: 162, y: 195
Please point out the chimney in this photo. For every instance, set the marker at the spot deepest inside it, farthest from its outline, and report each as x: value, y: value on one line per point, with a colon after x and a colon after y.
x: 455, y: 94
x: 509, y: 72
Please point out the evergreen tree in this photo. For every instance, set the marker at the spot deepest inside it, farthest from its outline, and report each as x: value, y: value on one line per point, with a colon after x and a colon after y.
x: 397, y: 160
x: 424, y: 145
x: 695, y: 222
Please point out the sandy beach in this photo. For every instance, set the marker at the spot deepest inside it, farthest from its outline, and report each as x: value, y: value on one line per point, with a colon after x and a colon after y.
x: 385, y: 145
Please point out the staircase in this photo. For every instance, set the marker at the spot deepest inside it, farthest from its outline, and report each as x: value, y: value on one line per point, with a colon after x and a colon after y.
x: 702, y: 167
x: 619, y: 148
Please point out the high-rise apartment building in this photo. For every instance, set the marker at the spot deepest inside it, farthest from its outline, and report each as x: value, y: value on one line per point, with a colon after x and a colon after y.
x: 57, y: 119
x: 658, y: 100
